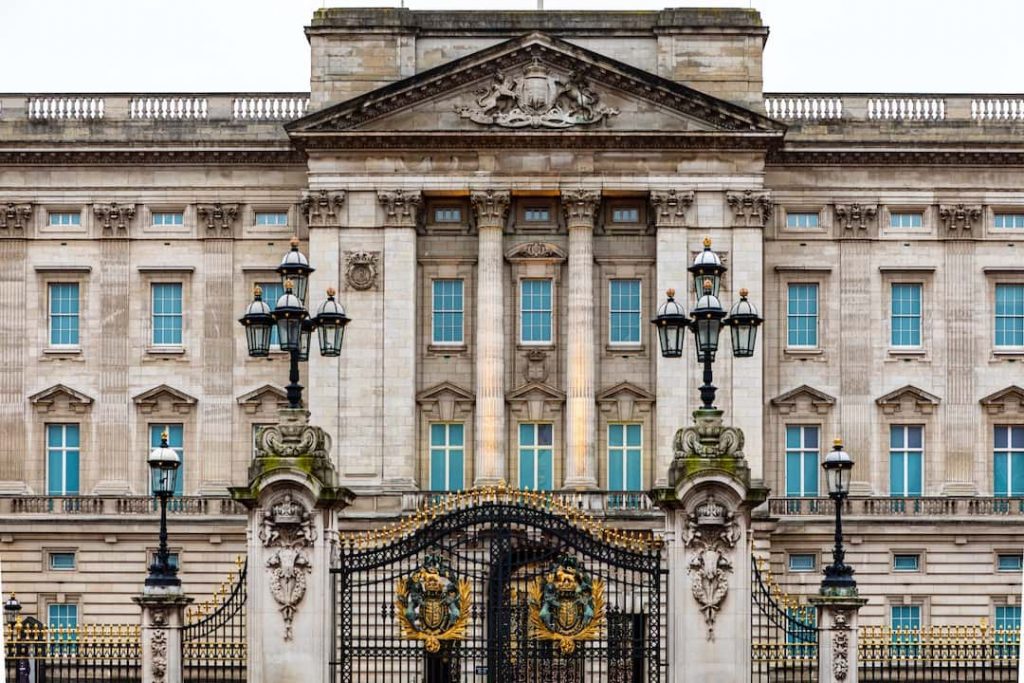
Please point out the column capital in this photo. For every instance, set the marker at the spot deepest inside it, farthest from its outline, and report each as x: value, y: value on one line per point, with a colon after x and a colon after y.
x: 320, y: 207
x: 490, y: 207
x: 750, y: 208
x: 580, y: 207
x: 401, y: 207
x: 15, y: 216
x: 219, y: 217
x: 670, y: 207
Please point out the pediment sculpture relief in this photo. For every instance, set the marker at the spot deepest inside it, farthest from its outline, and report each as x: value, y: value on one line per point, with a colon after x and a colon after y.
x: 537, y: 99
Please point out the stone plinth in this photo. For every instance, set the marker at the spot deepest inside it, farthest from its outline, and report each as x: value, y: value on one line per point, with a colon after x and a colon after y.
x: 163, y: 615
x: 837, y: 637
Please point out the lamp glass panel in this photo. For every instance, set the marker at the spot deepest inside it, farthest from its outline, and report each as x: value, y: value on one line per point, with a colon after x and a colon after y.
x: 331, y: 335
x: 258, y: 339
x: 671, y: 339
x: 698, y: 284
x: 289, y: 331
x: 707, y: 331
x: 744, y: 337
x: 304, y: 341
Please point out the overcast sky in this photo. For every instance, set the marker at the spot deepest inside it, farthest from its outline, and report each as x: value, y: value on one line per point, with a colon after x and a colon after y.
x: 258, y: 45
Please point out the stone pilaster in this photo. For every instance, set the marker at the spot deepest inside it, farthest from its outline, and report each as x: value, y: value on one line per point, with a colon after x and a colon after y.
x: 163, y: 615
x: 580, y: 207
x: 856, y: 354
x: 399, y: 352
x: 670, y: 208
x: 216, y: 409
x: 113, y: 419
x: 491, y: 210
x: 13, y: 356
x: 837, y: 637
x: 961, y: 303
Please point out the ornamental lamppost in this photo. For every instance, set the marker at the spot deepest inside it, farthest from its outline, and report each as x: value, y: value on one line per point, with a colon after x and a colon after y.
x: 294, y: 325
x: 838, y: 575
x: 706, y: 320
x: 163, y: 468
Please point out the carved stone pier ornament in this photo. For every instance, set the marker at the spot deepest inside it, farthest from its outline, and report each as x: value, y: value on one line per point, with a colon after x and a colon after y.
x: 749, y: 208
x: 321, y: 206
x: 856, y: 216
x: 292, y: 437
x: 15, y: 217
x: 361, y: 272
x: 670, y: 207
x: 401, y: 207
x: 219, y: 217
x: 841, y: 646
x: 709, y: 438
x: 710, y: 535
x: 536, y: 99
x: 580, y: 207
x: 959, y: 216
x: 114, y: 217
x: 491, y: 207
x: 287, y: 528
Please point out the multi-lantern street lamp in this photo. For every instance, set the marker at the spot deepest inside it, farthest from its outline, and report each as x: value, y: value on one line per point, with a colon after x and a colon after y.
x: 838, y: 575
x: 163, y: 468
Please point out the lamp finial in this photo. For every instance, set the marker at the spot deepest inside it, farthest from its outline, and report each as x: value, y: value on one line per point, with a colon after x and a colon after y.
x: 837, y: 442
x: 331, y: 291
x: 707, y: 242
x: 707, y: 285
x: 295, y: 241
x: 743, y: 292
x: 670, y: 292
x: 257, y: 291
x: 289, y: 285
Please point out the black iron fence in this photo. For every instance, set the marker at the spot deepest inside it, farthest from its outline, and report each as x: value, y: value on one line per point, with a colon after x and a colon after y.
x: 783, y: 632
x: 938, y: 653
x: 37, y: 653
x: 213, y: 640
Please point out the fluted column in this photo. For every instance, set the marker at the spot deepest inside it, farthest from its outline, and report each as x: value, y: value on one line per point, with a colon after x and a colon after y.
x: 217, y: 405
x: 491, y: 209
x: 580, y: 207
x: 13, y: 356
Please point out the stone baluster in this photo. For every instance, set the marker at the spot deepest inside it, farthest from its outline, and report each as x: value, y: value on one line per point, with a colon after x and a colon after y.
x: 491, y: 209
x: 580, y: 207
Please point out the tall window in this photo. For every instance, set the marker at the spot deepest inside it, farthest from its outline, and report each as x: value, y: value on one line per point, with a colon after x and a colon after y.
x: 906, y: 460
x: 1007, y: 630
x: 624, y: 312
x: 447, y: 456
x: 906, y: 624
x: 271, y: 218
x: 535, y: 453
x: 535, y: 312
x: 63, y: 313
x: 62, y: 616
x: 62, y: 459
x: 167, y: 314
x: 272, y: 291
x: 802, y: 219
x: 802, y: 316
x: 1009, y: 220
x: 802, y: 457
x: 1010, y: 315
x: 625, y: 464
x: 447, y: 312
x: 168, y: 218
x: 1008, y: 459
x: 906, y: 219
x: 906, y: 315
x: 175, y: 440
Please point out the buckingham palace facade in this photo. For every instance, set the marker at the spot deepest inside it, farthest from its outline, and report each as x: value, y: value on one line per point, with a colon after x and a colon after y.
x: 502, y: 200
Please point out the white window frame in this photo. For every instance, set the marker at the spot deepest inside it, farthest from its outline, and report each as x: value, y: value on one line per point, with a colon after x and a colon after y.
x: 535, y: 448
x: 893, y: 316
x: 896, y: 219
x: 816, y: 316
x: 49, y: 560
x: 639, y: 312
x: 269, y: 212
x: 803, y: 450
x: 49, y: 315
x: 624, y: 448
x: 433, y: 311
x: 447, y: 449
x: 798, y: 215
x: 996, y: 317
x: 1016, y: 216
x: 906, y: 450
x: 74, y: 219
x: 179, y: 215
x: 63, y: 449
x: 550, y: 311
x: 153, y: 314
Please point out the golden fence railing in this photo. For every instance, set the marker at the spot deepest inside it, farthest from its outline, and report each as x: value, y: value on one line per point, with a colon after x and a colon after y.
x: 938, y: 653
x: 62, y: 654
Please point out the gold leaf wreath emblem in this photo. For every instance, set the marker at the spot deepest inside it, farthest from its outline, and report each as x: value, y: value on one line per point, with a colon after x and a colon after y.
x: 566, y: 640
x: 432, y: 639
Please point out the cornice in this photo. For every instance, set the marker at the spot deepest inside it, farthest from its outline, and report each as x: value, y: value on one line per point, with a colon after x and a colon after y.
x: 895, y: 157
x: 120, y: 157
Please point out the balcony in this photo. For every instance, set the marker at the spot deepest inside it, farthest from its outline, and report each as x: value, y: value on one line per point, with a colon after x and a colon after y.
x: 183, y: 506
x: 909, y: 108
x: 928, y: 507
x: 598, y: 503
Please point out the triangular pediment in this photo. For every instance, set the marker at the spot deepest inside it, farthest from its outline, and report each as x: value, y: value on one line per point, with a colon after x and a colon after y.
x: 536, y: 391
x: 532, y: 84
x: 174, y: 399
x: 1008, y: 400
x: 444, y: 390
x: 625, y: 390
x: 625, y: 401
x: 60, y: 395
x: 804, y: 399
x: 252, y: 401
x: 909, y: 397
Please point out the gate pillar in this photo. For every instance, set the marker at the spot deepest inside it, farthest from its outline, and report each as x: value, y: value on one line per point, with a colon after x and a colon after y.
x: 837, y: 640
x: 292, y: 539
x: 163, y: 614
x: 708, y: 548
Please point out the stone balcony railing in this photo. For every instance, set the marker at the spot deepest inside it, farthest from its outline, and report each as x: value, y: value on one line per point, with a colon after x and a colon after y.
x: 194, y: 107
x: 617, y: 503
x: 924, y: 507
x: 186, y: 506
x: 916, y: 108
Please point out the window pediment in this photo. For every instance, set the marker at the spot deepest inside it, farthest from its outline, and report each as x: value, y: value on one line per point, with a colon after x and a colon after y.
x: 1005, y: 401
x: 60, y: 398
x: 804, y: 399
x: 538, y: 401
x: 446, y: 401
x: 164, y: 398
x: 253, y: 401
x: 908, y: 399
x: 625, y: 401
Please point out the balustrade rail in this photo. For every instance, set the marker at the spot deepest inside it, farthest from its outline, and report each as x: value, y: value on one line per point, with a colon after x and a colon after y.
x: 937, y: 653
x: 118, y: 505
x: 237, y: 107
x: 916, y: 108
x: 887, y: 506
x: 55, y: 654
x: 607, y: 502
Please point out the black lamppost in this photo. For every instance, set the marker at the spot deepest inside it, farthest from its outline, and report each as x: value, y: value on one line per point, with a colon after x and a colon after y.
x: 838, y: 575
x: 294, y: 325
x: 12, y: 609
x: 163, y: 467
x: 706, y: 320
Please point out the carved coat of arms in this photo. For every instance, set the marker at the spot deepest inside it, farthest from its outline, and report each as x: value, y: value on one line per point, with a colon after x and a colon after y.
x: 287, y: 528
x: 566, y: 605
x: 537, y: 99
x: 433, y: 604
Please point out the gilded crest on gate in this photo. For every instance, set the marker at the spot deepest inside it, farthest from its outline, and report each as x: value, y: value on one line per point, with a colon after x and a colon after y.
x: 433, y: 604
x: 566, y: 605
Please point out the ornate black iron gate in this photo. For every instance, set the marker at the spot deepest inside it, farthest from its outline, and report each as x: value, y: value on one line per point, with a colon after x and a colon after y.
x: 499, y: 585
x: 784, y: 634
x: 213, y: 640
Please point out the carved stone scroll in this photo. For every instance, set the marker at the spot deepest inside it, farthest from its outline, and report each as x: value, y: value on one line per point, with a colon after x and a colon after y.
x: 749, y: 208
x: 321, y: 207
x: 287, y: 527
x: 841, y: 646
x: 710, y: 535
x: 708, y: 438
x: 580, y: 207
x: 490, y: 208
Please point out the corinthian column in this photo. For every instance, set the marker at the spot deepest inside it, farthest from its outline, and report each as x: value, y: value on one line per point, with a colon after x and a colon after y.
x: 491, y: 208
x: 580, y: 206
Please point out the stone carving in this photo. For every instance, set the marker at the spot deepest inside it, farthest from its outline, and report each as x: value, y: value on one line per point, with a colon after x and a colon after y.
x: 219, y: 217
x: 536, y: 250
x: 287, y: 527
x: 537, y: 99
x: 711, y: 533
x: 566, y: 605
x: 491, y: 207
x: 580, y: 207
x: 15, y: 216
x: 321, y: 206
x: 536, y: 365
x: 708, y: 438
x: 159, y: 654
x: 114, y: 217
x: 670, y: 207
x: 856, y: 216
x: 292, y: 439
x: 361, y: 272
x: 749, y: 208
x: 433, y: 604
x: 841, y: 647
x: 401, y: 207
x: 959, y: 216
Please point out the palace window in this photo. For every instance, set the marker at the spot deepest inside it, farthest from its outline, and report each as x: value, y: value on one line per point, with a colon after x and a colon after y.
x: 802, y: 458
x: 626, y: 214
x: 166, y: 313
x: 272, y: 291
x: 1010, y: 562
x: 447, y: 312
x: 536, y: 444
x: 63, y: 313
x: 905, y: 621
x: 447, y: 456
x: 1008, y: 460
x: 906, y: 460
x: 537, y: 214
x: 802, y: 219
x: 624, y: 312
x: 906, y: 219
x: 1009, y: 220
x: 62, y: 615
x: 271, y: 218
x: 906, y: 562
x: 535, y: 312
x: 802, y: 562
x: 62, y: 459
x: 65, y: 218
x: 1010, y: 316
x: 61, y: 561
x: 625, y: 457
x: 447, y: 214
x: 168, y: 218
x: 906, y: 315
x: 176, y: 441
x: 802, y: 316
x: 1007, y: 618
x: 1007, y: 630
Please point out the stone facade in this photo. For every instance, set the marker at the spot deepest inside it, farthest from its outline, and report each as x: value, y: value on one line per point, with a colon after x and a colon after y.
x: 494, y: 148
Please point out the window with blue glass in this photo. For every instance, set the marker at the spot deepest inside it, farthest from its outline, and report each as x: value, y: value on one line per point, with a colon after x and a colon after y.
x: 535, y: 312
x: 802, y: 219
x: 1009, y: 220
x: 448, y: 307
x: 801, y: 632
x: 447, y: 456
x: 1008, y: 459
x: 537, y: 214
x: 62, y: 618
x: 167, y: 313
x: 802, y: 460
x: 906, y: 460
x: 64, y: 309
x: 802, y: 562
x: 1007, y: 630
x: 906, y: 315
x: 624, y: 312
x: 271, y: 218
x: 536, y: 445
x: 905, y: 621
x: 1010, y: 316
x: 625, y: 453
x: 1010, y: 562
x: 271, y: 292
x: 65, y: 218
x: 62, y: 561
x: 906, y: 219
x: 802, y: 316
x: 176, y: 441
x: 447, y: 214
x: 906, y: 562
x: 626, y: 214
x: 168, y: 218
x: 62, y: 459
